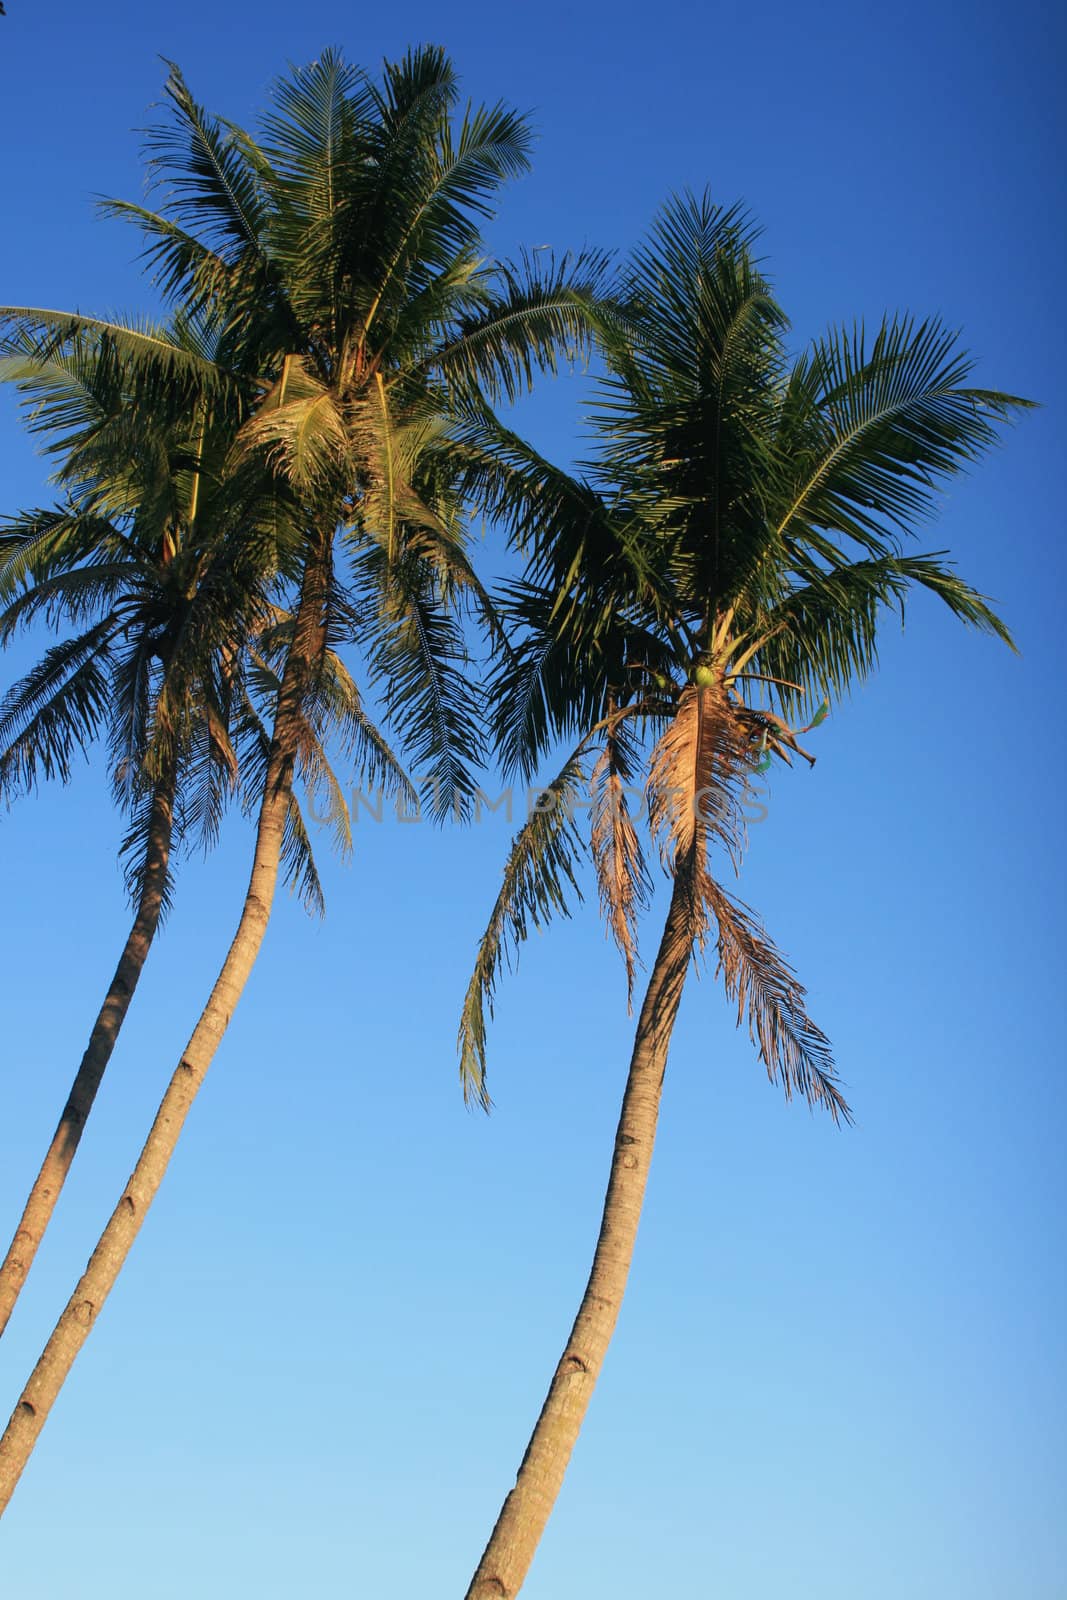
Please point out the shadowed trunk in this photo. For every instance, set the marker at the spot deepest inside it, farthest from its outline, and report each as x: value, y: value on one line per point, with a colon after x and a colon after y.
x: 525, y: 1513
x: 115, y: 1242
x: 57, y: 1162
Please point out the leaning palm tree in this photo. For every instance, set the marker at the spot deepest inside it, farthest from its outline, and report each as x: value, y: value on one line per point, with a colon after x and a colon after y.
x: 725, y: 559
x: 160, y: 562
x: 339, y: 259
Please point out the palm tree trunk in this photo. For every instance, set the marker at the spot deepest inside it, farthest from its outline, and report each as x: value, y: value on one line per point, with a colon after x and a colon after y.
x: 60, y: 1154
x: 525, y: 1513
x: 115, y: 1242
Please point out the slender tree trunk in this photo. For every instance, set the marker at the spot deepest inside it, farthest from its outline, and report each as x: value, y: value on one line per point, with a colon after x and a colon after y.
x: 115, y: 1242
x: 60, y: 1154
x: 525, y: 1513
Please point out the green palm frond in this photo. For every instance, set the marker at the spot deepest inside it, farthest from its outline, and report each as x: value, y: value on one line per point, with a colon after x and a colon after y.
x: 338, y: 712
x: 690, y: 291
x: 418, y: 655
x: 134, y: 852
x: 823, y: 636
x: 132, y: 711
x: 308, y: 136
x: 547, y: 687
x: 38, y: 544
x: 182, y: 267
x: 535, y: 313
x: 873, y: 428
x: 211, y: 189
x: 300, y: 433
x: 538, y: 879
x: 207, y: 779
x: 151, y: 357
x: 65, y: 596
x: 298, y: 860
x: 427, y: 207
x: 55, y: 710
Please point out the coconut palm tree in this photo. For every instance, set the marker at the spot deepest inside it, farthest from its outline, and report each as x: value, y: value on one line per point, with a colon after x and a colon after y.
x: 338, y: 260
x: 725, y: 559
x: 161, y: 563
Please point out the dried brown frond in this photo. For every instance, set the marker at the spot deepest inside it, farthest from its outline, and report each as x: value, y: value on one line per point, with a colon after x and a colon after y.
x: 622, y: 876
x: 223, y: 750
x: 771, y: 997
x: 697, y: 772
x: 697, y: 775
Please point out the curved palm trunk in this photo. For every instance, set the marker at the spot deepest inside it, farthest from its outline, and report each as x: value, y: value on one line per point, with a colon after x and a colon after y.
x: 60, y: 1154
x: 115, y: 1242
x: 525, y: 1513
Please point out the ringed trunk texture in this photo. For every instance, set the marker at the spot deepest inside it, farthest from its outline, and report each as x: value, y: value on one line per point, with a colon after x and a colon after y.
x: 109, y: 1257
x: 60, y: 1154
x: 525, y: 1513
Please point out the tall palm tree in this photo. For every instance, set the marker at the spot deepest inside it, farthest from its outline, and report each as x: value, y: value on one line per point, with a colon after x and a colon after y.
x: 339, y: 261
x: 161, y: 562
x: 727, y: 556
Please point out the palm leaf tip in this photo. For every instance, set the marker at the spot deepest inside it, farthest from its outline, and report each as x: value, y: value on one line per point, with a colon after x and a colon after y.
x: 471, y: 1039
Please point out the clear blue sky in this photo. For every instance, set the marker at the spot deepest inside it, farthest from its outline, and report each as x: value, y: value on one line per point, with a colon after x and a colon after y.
x: 839, y: 1370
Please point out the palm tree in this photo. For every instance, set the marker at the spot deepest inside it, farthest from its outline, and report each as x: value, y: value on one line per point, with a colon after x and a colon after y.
x: 339, y: 261
x: 161, y: 562
x: 728, y: 554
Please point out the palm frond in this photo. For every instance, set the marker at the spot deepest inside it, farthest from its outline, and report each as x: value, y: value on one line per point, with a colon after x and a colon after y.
x: 537, y: 314
x: 823, y: 637
x: 300, y: 433
x: 873, y: 429
x: 150, y: 355
x: 298, y: 860
x: 36, y: 545
x: 622, y: 876
x: 208, y: 770
x: 416, y: 651
x: 338, y: 712
x: 538, y: 878
x: 210, y: 186
x: 56, y: 709
x: 182, y: 267
x: 697, y: 772
x: 430, y: 203
x: 134, y: 852
x: 132, y: 711
x: 772, y: 1001
x: 307, y: 135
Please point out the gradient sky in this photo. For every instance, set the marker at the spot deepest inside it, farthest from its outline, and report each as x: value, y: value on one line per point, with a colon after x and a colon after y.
x: 839, y: 1369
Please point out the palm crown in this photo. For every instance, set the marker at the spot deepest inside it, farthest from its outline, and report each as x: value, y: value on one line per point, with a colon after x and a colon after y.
x: 161, y: 561
x: 723, y: 560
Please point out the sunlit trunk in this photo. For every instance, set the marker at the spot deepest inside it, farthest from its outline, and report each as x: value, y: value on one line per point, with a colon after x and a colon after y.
x: 525, y: 1513
x: 60, y: 1154
x: 115, y: 1243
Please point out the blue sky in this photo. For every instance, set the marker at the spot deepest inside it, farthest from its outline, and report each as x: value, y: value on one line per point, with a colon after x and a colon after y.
x: 839, y: 1369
